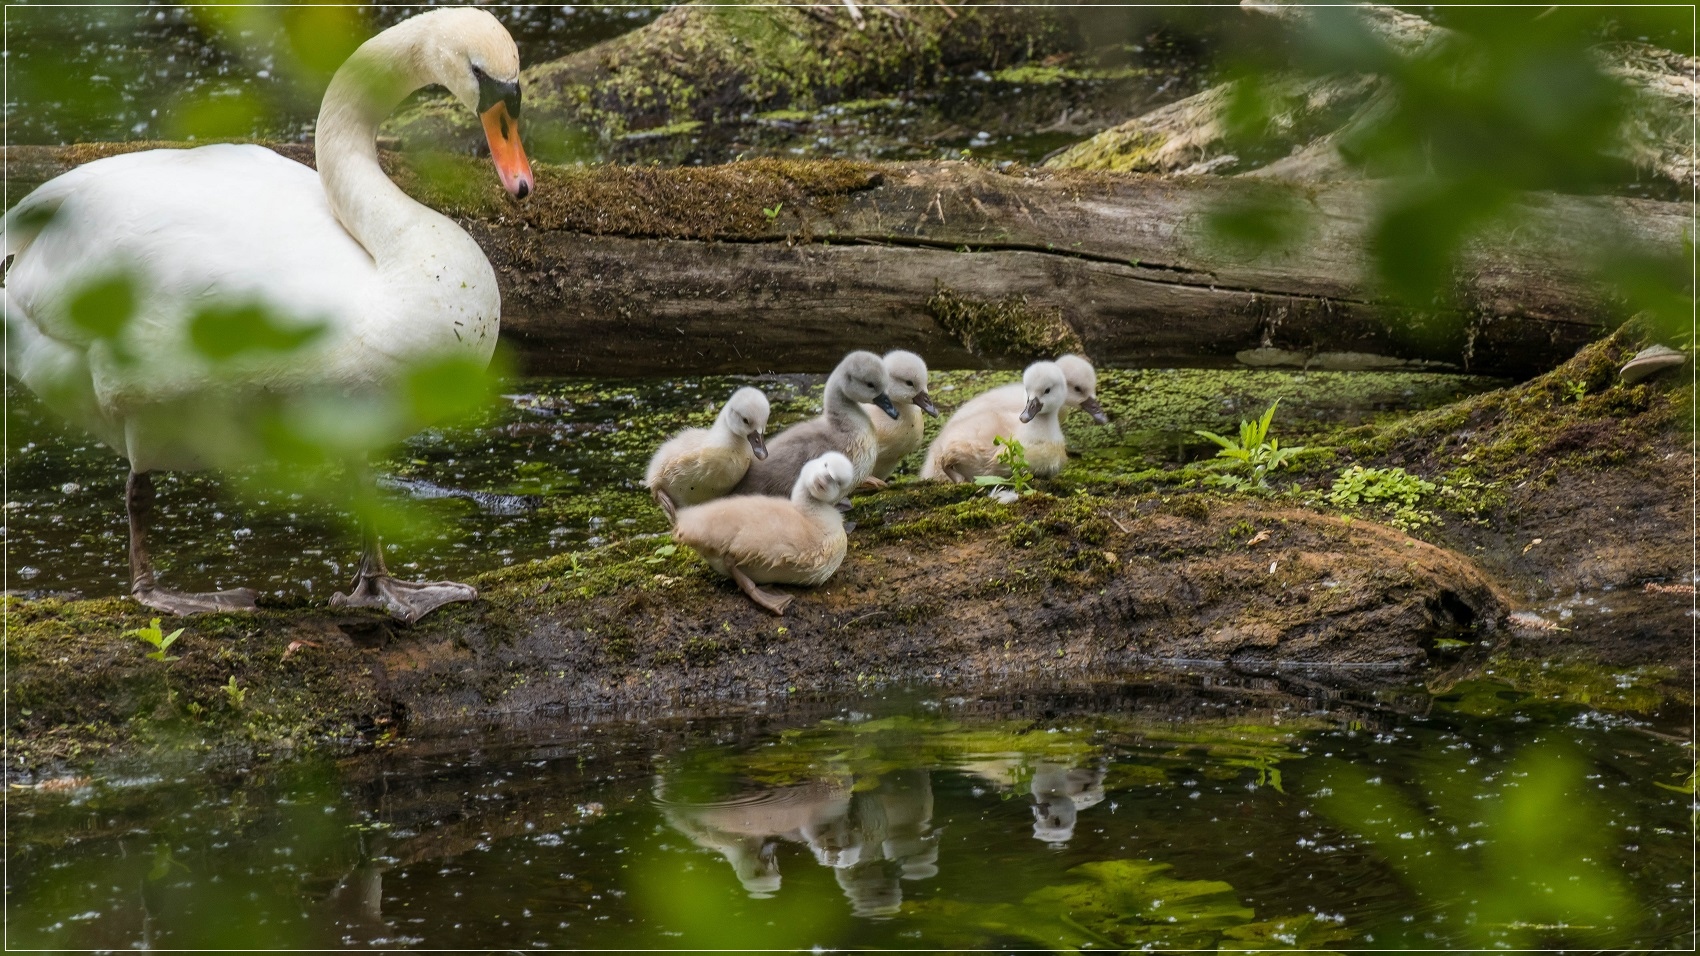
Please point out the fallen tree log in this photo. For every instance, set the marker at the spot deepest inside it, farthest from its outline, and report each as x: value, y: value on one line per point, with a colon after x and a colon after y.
x: 1315, y: 113
x: 782, y: 266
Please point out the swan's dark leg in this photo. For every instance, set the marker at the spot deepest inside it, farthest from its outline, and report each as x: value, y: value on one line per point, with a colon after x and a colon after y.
x: 777, y: 603
x: 138, y: 501
x: 407, y: 600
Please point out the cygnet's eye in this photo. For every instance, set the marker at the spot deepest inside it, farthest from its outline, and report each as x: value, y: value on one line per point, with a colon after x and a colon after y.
x: 909, y: 383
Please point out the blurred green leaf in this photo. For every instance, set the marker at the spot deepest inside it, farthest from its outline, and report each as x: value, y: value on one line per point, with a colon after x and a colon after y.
x: 103, y: 308
x: 1265, y: 222
x: 225, y: 332
x: 1536, y: 872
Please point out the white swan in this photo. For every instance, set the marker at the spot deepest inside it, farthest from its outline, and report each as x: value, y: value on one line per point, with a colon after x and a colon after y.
x: 389, y: 281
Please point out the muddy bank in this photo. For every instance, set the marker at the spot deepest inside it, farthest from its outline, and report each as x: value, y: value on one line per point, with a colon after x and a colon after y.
x: 940, y: 586
x: 1114, y: 570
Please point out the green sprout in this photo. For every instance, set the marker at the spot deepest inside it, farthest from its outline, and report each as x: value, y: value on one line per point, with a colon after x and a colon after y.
x: 234, y: 694
x: 1245, y: 464
x: 160, y: 640
x: 1014, y: 457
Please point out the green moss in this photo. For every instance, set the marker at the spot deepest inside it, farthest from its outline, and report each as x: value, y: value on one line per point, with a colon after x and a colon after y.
x: 1008, y: 328
x: 715, y: 202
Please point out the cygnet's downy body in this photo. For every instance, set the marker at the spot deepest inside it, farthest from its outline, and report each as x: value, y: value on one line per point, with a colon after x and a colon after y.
x: 701, y: 464
x: 1082, y: 393
x: 897, y: 439
x: 842, y: 426
x: 756, y: 539
x: 966, y: 447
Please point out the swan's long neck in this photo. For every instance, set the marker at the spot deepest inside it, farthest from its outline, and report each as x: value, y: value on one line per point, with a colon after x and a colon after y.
x: 361, y: 96
x: 436, y: 292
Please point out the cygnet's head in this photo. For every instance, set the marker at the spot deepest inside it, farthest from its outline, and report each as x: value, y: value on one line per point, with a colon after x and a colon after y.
x: 469, y: 51
x: 861, y: 377
x: 1047, y: 390
x: 836, y: 842
x: 758, y: 871
x: 745, y: 414
x: 908, y: 374
x: 1054, y: 820
x: 826, y: 478
x: 1083, y: 386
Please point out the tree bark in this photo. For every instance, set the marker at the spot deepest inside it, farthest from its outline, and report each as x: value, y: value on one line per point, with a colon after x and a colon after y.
x: 775, y: 266
x: 1298, y: 143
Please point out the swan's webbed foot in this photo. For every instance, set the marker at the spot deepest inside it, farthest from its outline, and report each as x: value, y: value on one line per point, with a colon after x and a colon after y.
x: 871, y: 483
x: 407, y: 601
x: 186, y: 602
x: 775, y: 603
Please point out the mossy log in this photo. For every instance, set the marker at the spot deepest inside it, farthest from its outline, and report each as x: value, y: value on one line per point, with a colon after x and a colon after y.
x: 709, y: 63
x: 1298, y: 142
x: 770, y: 265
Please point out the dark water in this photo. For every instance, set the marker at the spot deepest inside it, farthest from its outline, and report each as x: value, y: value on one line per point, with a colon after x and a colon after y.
x: 82, y: 74
x: 1190, y: 814
x: 577, y: 450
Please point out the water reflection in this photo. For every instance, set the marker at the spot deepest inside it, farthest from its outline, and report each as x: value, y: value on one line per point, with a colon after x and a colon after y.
x: 871, y: 833
x: 1143, y: 816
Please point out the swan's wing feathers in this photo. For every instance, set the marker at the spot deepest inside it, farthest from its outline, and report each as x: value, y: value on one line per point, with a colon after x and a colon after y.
x: 188, y: 226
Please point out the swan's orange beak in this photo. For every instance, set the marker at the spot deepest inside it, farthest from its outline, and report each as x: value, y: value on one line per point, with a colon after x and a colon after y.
x: 502, y: 130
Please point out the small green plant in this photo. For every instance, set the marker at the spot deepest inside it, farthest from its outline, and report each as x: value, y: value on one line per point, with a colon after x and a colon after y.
x: 1014, y: 456
x: 1245, y: 464
x: 1575, y: 391
x: 235, y: 695
x: 773, y: 213
x: 1393, y: 491
x: 661, y: 554
x: 160, y: 640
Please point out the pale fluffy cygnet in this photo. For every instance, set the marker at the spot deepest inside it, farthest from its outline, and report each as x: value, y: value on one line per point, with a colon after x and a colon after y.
x: 1082, y: 393
x: 701, y: 464
x: 908, y: 391
x: 965, y: 448
x: 757, y: 539
x: 842, y: 426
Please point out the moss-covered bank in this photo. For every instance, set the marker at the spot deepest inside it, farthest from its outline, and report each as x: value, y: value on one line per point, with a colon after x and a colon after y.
x: 1121, y: 563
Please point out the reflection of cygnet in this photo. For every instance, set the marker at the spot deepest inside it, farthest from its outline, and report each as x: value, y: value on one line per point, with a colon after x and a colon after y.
x: 871, y: 888
x: 894, y: 821
x: 835, y: 842
x: 1059, y: 794
x: 746, y: 829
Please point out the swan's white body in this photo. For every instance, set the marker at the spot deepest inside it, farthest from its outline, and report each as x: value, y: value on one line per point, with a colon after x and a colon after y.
x: 390, y: 280
x: 386, y: 281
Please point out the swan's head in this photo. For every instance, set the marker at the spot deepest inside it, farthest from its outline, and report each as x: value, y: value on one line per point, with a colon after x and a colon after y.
x: 475, y: 58
x: 1083, y: 386
x: 1047, y: 390
x: 861, y: 377
x: 827, y: 478
x: 908, y: 376
x: 746, y: 414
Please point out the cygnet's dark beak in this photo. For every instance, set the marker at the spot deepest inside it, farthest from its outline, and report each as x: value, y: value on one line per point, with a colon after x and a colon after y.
x: 925, y: 404
x: 884, y: 402
x: 1031, y: 411
x: 758, y: 445
x: 1091, y: 407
